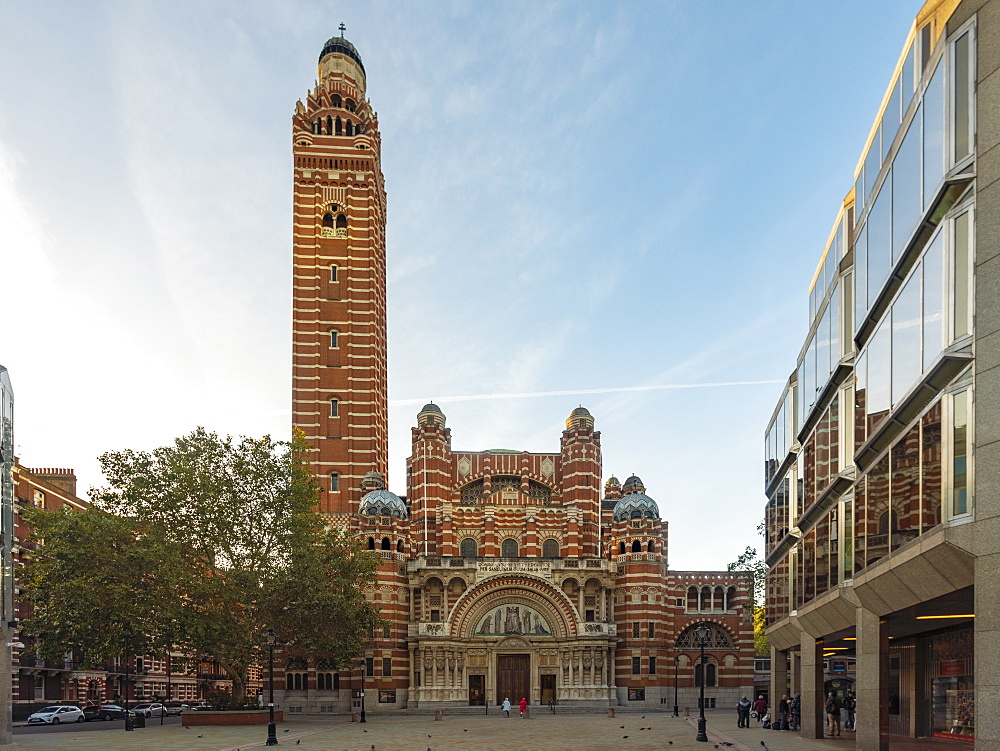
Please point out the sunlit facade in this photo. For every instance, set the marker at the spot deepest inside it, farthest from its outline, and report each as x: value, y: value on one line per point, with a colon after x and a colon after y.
x: 876, y: 520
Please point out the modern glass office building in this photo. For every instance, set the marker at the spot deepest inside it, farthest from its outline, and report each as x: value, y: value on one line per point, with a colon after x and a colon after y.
x: 882, y: 455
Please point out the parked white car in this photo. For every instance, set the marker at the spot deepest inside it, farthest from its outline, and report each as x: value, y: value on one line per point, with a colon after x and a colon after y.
x: 56, y: 714
x: 150, y: 709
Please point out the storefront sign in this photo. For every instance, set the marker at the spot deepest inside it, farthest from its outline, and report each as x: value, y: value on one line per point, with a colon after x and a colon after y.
x: 952, y: 668
x: 838, y: 666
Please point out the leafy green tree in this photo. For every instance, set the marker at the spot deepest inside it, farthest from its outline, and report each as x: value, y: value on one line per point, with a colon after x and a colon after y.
x: 756, y: 571
x: 223, y: 543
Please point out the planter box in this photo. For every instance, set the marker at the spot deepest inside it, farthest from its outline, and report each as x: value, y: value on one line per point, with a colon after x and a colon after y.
x: 233, y: 717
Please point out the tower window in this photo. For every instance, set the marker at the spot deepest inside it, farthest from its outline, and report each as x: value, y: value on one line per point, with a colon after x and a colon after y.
x: 334, y: 482
x: 349, y: 128
x: 334, y: 407
x: 386, y: 545
x: 550, y: 549
x: 328, y: 221
x: 636, y: 547
x: 621, y: 548
x: 329, y: 124
x: 333, y: 340
x: 635, y: 630
x: 649, y: 547
x: 509, y: 548
x: 371, y: 543
x: 338, y: 127
x: 335, y: 100
x: 333, y: 273
x: 468, y: 548
x: 399, y: 546
x: 651, y: 630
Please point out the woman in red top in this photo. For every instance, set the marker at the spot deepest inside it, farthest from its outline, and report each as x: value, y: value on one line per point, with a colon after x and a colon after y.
x: 760, y: 707
x: 522, y: 707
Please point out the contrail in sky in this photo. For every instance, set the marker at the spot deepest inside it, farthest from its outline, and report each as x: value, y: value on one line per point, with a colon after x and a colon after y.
x: 575, y: 392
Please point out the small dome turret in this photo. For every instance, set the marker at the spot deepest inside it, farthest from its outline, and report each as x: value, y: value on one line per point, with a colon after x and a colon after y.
x: 580, y: 418
x: 344, y: 47
x: 634, y: 503
x: 612, y: 489
x: 431, y: 415
x: 633, y: 485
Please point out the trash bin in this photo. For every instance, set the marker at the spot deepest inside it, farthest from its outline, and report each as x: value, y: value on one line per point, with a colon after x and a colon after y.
x: 139, y: 721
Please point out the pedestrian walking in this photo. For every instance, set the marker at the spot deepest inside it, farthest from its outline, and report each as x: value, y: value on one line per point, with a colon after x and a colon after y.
x: 506, y: 707
x: 850, y: 704
x: 743, y: 713
x: 833, y: 713
x: 522, y: 706
x: 760, y: 707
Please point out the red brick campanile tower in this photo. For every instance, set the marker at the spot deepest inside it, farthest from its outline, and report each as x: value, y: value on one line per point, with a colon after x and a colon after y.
x: 339, y: 385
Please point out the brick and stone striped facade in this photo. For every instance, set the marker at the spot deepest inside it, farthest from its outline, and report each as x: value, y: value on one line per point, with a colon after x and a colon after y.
x: 500, y: 571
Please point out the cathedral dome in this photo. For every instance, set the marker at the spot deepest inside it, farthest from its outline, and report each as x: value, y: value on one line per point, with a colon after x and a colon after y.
x: 382, y: 502
x: 634, y: 503
x: 633, y: 485
x: 635, y: 506
x: 341, y: 45
x: 432, y: 407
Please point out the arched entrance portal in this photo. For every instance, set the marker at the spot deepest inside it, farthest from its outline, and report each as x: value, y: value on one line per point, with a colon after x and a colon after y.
x: 513, y: 636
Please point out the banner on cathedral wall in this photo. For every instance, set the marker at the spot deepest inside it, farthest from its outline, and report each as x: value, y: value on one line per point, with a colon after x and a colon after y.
x: 513, y: 567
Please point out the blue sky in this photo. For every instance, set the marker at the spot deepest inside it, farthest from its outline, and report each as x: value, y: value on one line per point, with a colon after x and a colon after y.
x: 582, y: 196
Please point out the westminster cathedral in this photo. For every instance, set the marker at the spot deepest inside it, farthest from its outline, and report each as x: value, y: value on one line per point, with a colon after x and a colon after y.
x: 502, y: 574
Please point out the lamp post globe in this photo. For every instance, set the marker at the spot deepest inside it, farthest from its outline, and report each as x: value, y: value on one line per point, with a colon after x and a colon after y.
x: 272, y: 734
x: 702, y: 630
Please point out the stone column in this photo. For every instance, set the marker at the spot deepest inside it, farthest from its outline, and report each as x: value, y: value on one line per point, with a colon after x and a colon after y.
x: 779, y: 676
x: 812, y: 687
x: 986, y: 648
x: 873, y: 682
x: 796, y: 673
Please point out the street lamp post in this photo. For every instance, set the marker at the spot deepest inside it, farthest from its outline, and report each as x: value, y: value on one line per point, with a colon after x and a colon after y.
x: 702, y: 631
x: 363, y: 666
x: 127, y: 632
x: 272, y: 734
x: 677, y: 662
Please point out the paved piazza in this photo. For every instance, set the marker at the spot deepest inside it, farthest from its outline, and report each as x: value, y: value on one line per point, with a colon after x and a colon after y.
x: 455, y: 733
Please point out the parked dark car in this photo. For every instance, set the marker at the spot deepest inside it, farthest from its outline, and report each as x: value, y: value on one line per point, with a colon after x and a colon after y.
x: 103, y: 712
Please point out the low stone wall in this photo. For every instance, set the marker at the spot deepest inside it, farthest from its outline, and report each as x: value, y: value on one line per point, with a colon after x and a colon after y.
x: 235, y: 717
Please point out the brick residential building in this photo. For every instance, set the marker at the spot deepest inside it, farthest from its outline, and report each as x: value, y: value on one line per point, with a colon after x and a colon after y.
x: 502, y: 573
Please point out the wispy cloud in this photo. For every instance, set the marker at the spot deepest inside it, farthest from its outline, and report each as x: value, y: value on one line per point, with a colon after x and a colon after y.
x: 581, y: 392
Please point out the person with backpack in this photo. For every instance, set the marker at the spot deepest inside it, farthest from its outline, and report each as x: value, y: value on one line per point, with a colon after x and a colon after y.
x: 833, y: 713
x: 743, y: 713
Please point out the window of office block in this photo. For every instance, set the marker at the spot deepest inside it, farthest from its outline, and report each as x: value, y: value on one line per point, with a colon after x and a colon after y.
x: 934, y: 150
x: 960, y: 442
x: 879, y: 227
x: 932, y: 269
x: 961, y: 273
x: 906, y: 339
x: 906, y: 189
x: 962, y: 96
x: 847, y: 540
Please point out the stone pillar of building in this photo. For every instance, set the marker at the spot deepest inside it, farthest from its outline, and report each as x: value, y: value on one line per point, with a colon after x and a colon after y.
x: 796, y: 673
x: 986, y: 648
x: 872, y: 687
x: 779, y: 675
x: 812, y: 686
